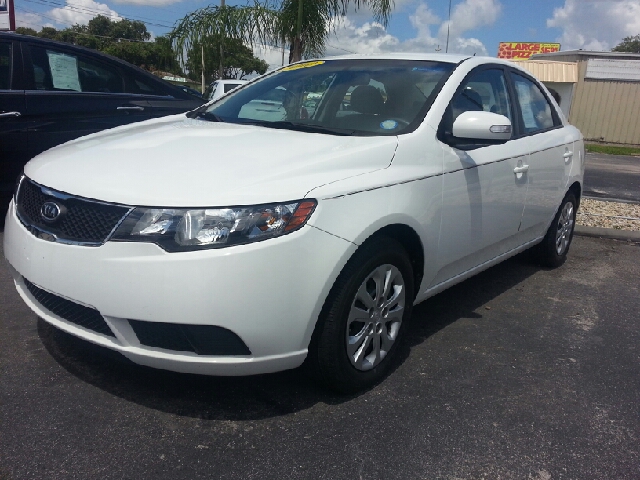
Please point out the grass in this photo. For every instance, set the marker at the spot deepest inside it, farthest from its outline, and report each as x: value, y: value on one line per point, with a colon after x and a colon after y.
x: 612, y: 150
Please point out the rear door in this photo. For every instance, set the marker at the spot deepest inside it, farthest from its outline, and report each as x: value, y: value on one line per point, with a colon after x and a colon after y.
x: 71, y: 93
x: 13, y: 121
x: 550, y: 158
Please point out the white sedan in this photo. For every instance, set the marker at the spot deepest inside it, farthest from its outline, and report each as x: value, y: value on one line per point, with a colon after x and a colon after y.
x: 222, y: 244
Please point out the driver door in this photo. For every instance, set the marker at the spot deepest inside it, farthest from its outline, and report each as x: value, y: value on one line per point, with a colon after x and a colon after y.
x: 483, y: 198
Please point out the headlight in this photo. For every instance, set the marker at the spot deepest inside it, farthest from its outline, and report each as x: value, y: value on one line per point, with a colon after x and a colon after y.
x: 179, y: 230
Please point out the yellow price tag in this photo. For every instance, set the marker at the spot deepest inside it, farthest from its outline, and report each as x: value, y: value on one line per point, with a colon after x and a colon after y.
x: 298, y: 66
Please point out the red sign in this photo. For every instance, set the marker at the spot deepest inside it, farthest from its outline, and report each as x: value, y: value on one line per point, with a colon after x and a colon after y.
x: 7, y: 16
x: 524, y: 50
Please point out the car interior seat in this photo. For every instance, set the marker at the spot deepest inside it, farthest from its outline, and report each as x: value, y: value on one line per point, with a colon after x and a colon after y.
x: 468, y: 100
x: 368, y: 106
x: 367, y: 99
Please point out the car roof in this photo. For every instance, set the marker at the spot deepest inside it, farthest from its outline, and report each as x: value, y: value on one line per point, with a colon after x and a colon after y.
x: 436, y: 57
x: 432, y: 57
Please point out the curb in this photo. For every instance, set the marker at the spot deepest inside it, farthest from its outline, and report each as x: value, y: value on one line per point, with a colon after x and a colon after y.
x: 610, y: 233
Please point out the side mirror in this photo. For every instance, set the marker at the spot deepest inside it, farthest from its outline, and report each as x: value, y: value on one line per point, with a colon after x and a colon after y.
x: 484, y: 126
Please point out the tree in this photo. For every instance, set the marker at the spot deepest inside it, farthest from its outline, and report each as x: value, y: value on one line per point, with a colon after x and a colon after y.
x: 628, y: 44
x: 26, y: 31
x: 302, y: 24
x: 238, y: 61
x: 125, y: 39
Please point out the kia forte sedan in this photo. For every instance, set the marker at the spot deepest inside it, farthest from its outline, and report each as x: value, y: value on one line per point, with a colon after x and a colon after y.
x: 233, y: 241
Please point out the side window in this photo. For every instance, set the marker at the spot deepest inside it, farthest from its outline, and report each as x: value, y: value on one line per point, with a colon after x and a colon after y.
x: 535, y: 108
x: 62, y: 71
x: 230, y: 86
x: 485, y: 90
x: 5, y: 66
x: 143, y: 86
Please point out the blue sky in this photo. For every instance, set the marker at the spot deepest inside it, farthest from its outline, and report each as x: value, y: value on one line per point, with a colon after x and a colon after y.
x: 477, y: 26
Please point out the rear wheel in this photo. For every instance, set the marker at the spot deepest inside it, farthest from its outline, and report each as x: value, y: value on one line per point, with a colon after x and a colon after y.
x: 552, y: 251
x: 363, y: 318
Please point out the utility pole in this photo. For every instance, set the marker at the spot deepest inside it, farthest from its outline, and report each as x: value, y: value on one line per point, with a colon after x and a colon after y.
x: 202, y: 47
x: 448, y: 28
x: 221, y: 67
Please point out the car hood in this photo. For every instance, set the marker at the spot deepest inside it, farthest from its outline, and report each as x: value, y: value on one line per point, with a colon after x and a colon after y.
x: 180, y: 162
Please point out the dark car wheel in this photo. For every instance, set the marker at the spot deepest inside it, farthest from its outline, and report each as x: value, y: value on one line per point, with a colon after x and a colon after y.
x: 552, y: 251
x: 363, y: 318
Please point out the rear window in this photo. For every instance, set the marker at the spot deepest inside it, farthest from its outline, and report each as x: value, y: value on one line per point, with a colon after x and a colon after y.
x: 59, y: 70
x: 5, y: 66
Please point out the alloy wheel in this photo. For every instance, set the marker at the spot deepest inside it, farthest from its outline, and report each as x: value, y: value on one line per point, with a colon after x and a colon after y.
x: 375, y: 317
x: 565, y: 228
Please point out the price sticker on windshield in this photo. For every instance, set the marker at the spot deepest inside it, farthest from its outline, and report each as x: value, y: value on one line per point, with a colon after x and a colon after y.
x: 298, y: 66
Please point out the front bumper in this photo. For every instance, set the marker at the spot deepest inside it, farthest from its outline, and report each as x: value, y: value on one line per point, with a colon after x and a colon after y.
x: 268, y: 293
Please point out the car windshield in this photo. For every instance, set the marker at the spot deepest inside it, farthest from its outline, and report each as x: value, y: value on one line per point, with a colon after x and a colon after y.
x: 341, y: 97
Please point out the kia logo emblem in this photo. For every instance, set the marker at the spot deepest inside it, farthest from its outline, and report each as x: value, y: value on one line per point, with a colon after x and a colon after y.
x: 50, y: 211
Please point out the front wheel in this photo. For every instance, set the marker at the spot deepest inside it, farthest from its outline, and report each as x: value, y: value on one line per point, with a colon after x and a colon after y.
x: 363, y: 317
x: 552, y: 251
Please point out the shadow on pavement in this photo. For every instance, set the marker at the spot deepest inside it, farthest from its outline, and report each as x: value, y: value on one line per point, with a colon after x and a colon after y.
x: 271, y: 395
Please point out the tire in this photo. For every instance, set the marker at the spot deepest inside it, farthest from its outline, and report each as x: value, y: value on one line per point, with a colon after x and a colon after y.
x: 362, y: 320
x: 552, y: 251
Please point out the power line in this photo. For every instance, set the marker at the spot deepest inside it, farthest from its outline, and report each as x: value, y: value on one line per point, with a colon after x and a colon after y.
x: 85, y: 9
x: 90, y: 11
x: 343, y: 49
x: 81, y: 33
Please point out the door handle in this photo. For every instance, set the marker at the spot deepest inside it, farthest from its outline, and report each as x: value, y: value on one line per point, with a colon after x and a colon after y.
x: 567, y: 156
x: 9, y: 114
x: 521, y: 169
x: 131, y: 108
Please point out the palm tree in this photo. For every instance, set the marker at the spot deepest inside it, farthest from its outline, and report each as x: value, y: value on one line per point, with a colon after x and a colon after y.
x: 303, y: 24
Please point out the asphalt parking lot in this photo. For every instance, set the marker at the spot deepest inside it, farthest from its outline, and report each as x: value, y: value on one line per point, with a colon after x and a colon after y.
x: 518, y: 373
x: 613, y: 177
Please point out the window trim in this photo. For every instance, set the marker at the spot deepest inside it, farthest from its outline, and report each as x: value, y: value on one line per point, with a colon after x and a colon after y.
x: 11, y: 64
x: 30, y: 78
x: 442, y: 135
x: 520, y: 132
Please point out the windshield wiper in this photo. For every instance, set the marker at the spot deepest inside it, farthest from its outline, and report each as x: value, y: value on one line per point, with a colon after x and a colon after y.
x: 204, y: 116
x: 302, y: 127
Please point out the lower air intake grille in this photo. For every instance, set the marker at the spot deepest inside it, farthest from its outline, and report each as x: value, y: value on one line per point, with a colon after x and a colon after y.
x: 200, y: 339
x: 82, y: 316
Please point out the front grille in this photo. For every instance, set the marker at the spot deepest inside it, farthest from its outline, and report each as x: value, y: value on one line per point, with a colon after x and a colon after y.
x: 81, y: 220
x: 200, y: 339
x: 82, y: 316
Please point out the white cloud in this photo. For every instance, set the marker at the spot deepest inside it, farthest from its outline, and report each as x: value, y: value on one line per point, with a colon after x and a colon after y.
x: 74, y: 12
x: 595, y: 25
x: 372, y: 37
x: 422, y: 20
x: 80, y: 12
x: 147, y: 2
x: 31, y: 20
x: 271, y: 55
x: 471, y: 14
